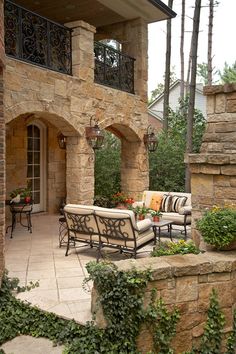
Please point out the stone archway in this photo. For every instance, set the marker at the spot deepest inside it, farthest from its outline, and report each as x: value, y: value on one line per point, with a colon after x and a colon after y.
x: 134, y: 158
x: 52, y: 158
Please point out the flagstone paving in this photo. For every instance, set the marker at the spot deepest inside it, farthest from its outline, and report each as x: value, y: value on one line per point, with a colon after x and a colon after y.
x: 38, y: 257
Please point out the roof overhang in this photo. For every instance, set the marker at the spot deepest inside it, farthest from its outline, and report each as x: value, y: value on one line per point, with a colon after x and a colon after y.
x: 149, y: 10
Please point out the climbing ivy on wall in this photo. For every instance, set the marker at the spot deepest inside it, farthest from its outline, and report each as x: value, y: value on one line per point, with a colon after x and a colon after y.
x: 121, y: 294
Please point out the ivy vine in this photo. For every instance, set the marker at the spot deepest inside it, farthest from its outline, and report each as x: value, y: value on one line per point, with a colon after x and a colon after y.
x: 121, y: 294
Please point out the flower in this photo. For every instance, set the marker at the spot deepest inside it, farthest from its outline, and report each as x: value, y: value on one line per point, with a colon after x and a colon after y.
x: 121, y: 197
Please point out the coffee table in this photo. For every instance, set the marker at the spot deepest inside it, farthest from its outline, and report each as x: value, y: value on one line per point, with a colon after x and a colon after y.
x: 157, y: 225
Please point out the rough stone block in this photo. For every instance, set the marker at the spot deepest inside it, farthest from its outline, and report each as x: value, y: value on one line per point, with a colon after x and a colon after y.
x: 186, y: 289
x: 229, y: 170
x: 231, y: 106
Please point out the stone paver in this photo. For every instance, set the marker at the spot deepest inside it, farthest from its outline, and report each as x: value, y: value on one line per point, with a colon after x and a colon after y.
x: 37, y: 257
x: 31, y: 345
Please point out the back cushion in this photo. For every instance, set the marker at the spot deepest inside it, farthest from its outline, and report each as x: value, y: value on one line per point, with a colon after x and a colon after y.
x: 156, y: 202
x: 166, y: 203
x: 177, y: 203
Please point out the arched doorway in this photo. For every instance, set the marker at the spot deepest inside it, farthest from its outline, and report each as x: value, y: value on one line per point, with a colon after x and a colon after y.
x: 36, y: 164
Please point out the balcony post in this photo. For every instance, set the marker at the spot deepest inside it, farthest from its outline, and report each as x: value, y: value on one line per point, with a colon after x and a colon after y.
x: 82, y: 50
x: 136, y: 45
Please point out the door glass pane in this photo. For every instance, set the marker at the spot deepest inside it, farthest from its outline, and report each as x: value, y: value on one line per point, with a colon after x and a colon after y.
x: 30, y: 157
x: 36, y: 145
x: 33, y: 161
x: 37, y: 157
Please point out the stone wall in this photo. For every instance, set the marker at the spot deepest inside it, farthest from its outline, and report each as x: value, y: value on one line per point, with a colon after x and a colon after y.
x: 186, y: 282
x: 2, y: 147
x: 213, y: 170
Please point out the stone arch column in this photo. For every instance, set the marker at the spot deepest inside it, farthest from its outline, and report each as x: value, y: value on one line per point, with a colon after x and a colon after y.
x: 79, y: 171
x: 134, y: 168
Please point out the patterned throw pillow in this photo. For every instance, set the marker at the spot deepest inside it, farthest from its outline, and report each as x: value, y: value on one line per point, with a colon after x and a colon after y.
x: 166, y: 203
x: 156, y: 202
x: 177, y: 203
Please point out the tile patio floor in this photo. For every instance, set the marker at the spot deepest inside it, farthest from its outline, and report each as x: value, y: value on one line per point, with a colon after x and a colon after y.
x: 37, y: 257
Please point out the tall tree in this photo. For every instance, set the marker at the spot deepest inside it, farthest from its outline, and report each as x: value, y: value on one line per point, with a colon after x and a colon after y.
x: 209, y: 52
x: 182, y: 51
x: 167, y: 72
x: 189, y: 145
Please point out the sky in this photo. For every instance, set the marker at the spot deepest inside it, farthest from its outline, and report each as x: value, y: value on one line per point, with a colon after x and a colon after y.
x: 224, y: 31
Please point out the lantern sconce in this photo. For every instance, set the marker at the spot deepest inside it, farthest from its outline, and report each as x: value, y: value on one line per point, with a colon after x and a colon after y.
x: 150, y: 139
x: 94, y: 134
x: 61, y: 139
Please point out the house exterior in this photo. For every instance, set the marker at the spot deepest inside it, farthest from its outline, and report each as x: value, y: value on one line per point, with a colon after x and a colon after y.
x: 59, y: 80
x: 155, y: 109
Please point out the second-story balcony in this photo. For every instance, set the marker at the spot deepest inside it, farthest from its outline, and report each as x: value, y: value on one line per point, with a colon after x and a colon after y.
x: 112, y: 68
x: 35, y: 39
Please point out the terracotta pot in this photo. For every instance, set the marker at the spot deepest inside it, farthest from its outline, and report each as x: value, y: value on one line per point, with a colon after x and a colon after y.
x: 121, y: 206
x: 156, y: 218
x: 141, y: 217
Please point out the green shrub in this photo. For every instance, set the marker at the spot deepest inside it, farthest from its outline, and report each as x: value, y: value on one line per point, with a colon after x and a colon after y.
x: 218, y: 226
x: 170, y: 248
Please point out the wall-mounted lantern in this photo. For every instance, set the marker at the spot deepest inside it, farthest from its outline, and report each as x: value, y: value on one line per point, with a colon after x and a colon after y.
x: 61, y: 139
x: 94, y: 134
x: 150, y: 140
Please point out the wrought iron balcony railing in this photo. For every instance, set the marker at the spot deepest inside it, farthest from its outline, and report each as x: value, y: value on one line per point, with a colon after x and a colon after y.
x: 113, y: 68
x: 35, y: 39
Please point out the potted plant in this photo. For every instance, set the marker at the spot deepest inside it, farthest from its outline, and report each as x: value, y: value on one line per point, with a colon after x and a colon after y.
x: 141, y: 211
x: 156, y: 215
x: 22, y: 194
x: 122, y: 200
x: 218, y: 227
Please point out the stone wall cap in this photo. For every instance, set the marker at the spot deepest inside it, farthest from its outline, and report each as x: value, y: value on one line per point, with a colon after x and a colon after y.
x: 81, y: 24
x: 213, y: 90
x: 183, y: 265
x: 210, y: 159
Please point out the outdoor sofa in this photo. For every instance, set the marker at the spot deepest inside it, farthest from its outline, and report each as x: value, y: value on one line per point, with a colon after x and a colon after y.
x: 174, y: 206
x: 102, y: 227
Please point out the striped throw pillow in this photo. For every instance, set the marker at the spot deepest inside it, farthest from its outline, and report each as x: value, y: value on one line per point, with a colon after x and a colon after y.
x: 177, y: 203
x: 166, y: 203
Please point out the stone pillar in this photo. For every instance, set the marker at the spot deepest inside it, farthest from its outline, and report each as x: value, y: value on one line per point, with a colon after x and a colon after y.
x: 136, y: 45
x: 213, y: 170
x: 134, y: 168
x: 2, y: 146
x: 79, y: 171
x: 82, y: 50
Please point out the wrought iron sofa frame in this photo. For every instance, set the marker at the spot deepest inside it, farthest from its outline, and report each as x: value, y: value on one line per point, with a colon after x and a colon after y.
x: 101, y: 227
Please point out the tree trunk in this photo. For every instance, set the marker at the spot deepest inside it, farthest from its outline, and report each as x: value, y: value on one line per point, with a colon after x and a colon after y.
x: 167, y: 73
x: 209, y: 53
x: 189, y: 67
x: 189, y: 145
x: 182, y: 52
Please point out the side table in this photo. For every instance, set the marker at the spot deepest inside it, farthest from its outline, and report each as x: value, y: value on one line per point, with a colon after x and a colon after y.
x: 157, y: 225
x: 20, y: 208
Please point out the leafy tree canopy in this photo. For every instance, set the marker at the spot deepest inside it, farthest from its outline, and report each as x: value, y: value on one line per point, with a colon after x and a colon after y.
x: 228, y: 75
x: 167, y: 168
